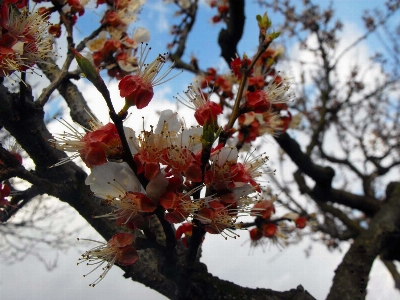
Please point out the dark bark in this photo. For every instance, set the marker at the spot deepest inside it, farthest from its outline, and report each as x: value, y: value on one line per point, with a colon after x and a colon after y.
x: 229, y: 38
x: 70, y: 92
x: 351, y: 278
x: 321, y: 175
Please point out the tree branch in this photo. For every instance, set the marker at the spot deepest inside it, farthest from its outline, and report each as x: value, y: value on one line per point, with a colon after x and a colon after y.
x: 229, y: 38
x: 69, y: 91
x: 351, y: 278
x: 321, y: 175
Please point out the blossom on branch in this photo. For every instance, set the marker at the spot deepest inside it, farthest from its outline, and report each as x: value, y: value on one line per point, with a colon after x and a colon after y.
x: 206, y: 111
x: 219, y: 219
x: 138, y: 89
x: 171, y: 145
x: 24, y: 41
x: 239, y: 65
x: 99, y: 144
x: 180, y: 206
x: 118, y: 250
x: 120, y: 189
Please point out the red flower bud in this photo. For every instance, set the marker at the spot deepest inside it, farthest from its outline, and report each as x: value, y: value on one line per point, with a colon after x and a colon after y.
x: 301, y: 222
x: 270, y: 229
x: 135, y: 91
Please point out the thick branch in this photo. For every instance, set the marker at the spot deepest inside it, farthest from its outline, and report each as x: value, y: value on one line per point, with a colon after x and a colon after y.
x: 351, y: 277
x: 393, y: 271
x: 229, y: 38
x: 206, y: 286
x: 365, y: 204
x: 321, y: 175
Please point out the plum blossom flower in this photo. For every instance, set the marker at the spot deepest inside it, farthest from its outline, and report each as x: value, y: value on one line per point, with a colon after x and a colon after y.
x: 277, y: 89
x: 123, y: 13
x: 206, y: 111
x: 219, y: 176
x: 148, y: 155
x: 116, y: 51
x: 226, y: 173
x: 119, y: 188
x: 257, y: 124
x: 238, y: 64
x: 269, y: 230
x: 137, y: 89
x: 185, y: 229
x: 300, y: 221
x: 127, y: 210
x: 150, y: 145
x: 113, y: 180
x: 182, y: 155
x: 99, y: 143
x: 180, y: 206
x: 218, y: 219
x: 263, y: 208
x: 257, y: 101
x: 119, y: 249
x: 249, y: 171
x: 24, y: 41
x: 171, y: 145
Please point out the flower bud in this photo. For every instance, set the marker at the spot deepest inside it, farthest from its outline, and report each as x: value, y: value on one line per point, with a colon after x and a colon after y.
x: 87, y: 68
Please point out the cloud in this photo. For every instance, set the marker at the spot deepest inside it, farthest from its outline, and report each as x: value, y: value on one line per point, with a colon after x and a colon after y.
x: 158, y: 14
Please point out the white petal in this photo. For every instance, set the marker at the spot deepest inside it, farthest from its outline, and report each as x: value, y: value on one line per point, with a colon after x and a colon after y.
x: 191, y: 139
x: 293, y: 216
x: 142, y: 35
x: 243, y: 190
x: 112, y: 180
x: 132, y: 140
x: 225, y: 154
x: 127, y: 67
x: 168, y: 122
x: 157, y: 186
x: 249, y: 118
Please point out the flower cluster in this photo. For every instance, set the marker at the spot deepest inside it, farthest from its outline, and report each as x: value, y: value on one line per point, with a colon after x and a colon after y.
x: 170, y: 158
x: 24, y: 40
x: 116, y: 52
x: 263, y: 106
x: 263, y: 210
x: 114, y: 49
x: 206, y: 111
x: 181, y: 174
x: 178, y: 163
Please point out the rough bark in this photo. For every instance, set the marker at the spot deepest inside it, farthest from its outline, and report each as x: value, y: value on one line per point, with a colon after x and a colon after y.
x: 351, y: 277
